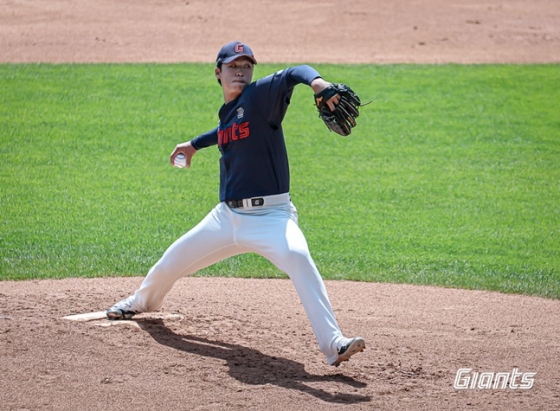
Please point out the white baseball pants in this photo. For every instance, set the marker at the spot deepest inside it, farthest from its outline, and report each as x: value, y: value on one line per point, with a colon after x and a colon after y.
x: 270, y: 231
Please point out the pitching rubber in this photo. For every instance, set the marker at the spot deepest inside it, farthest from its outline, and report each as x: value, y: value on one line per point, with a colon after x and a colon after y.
x: 98, y: 315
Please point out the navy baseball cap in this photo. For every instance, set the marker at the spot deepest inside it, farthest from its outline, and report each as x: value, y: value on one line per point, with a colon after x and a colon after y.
x: 234, y: 50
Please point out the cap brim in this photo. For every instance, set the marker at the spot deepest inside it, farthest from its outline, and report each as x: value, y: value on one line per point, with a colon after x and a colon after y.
x: 238, y: 56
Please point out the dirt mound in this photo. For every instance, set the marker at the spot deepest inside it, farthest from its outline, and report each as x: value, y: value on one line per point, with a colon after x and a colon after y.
x: 224, y: 343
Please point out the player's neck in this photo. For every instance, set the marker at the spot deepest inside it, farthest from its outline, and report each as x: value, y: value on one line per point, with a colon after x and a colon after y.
x: 229, y: 97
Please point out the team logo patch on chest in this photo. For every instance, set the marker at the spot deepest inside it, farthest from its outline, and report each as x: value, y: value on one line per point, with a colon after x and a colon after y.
x: 240, y: 112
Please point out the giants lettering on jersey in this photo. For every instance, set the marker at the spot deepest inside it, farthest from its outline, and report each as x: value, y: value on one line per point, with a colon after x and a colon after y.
x: 233, y: 133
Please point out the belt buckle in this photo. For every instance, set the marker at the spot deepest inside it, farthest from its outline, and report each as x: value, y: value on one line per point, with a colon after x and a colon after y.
x: 257, y: 202
x: 246, y: 203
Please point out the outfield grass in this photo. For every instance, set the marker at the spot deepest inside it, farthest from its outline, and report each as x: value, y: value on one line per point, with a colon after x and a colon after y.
x: 452, y: 176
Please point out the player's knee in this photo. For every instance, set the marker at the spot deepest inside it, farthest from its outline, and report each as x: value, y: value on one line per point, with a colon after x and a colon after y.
x: 297, y: 261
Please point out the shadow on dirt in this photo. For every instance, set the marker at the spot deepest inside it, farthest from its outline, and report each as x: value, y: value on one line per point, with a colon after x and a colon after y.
x: 250, y: 366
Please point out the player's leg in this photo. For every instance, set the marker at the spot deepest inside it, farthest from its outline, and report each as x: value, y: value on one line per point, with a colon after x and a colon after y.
x: 277, y: 237
x: 207, y: 243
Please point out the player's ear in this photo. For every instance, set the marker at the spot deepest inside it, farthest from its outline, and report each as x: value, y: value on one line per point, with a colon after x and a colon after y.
x: 218, y: 74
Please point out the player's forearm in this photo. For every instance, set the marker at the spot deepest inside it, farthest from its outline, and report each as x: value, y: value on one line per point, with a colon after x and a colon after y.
x: 308, y: 75
x: 304, y: 74
x: 210, y: 138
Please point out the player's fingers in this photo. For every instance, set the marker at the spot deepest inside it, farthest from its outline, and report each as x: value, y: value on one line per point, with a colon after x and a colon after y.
x: 333, y: 102
x: 173, y: 155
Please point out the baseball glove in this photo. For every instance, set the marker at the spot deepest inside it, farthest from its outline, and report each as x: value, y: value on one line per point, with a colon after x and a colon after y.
x: 343, y: 118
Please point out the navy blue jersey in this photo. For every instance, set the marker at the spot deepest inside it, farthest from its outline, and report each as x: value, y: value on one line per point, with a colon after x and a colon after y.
x: 254, y: 161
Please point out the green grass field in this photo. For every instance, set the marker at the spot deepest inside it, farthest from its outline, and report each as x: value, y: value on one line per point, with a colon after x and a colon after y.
x: 451, y: 178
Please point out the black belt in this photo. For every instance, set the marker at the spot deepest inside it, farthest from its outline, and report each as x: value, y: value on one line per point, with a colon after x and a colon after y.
x: 255, y: 202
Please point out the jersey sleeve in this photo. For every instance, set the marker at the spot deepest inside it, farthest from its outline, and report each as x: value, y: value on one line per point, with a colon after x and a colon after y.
x: 273, y: 93
x: 303, y: 74
x: 210, y: 138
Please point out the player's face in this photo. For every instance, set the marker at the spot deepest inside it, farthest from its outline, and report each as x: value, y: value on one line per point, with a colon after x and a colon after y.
x: 235, y: 76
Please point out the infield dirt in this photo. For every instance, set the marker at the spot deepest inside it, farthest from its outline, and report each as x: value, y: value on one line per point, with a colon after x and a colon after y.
x: 246, y: 344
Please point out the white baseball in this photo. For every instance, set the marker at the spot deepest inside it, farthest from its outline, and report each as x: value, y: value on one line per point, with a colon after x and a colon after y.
x: 180, y: 161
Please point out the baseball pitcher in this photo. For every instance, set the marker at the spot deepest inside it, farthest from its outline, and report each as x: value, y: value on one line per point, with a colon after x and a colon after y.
x: 255, y: 213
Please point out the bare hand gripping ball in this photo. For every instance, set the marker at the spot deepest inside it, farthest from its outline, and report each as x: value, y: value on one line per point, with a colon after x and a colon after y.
x: 180, y: 161
x: 343, y: 118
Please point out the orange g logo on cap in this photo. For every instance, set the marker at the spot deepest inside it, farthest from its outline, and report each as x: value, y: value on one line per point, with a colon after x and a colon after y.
x: 239, y: 48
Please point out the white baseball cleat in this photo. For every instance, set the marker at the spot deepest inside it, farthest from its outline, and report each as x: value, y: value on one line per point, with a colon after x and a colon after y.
x: 353, y: 346
x: 121, y: 310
